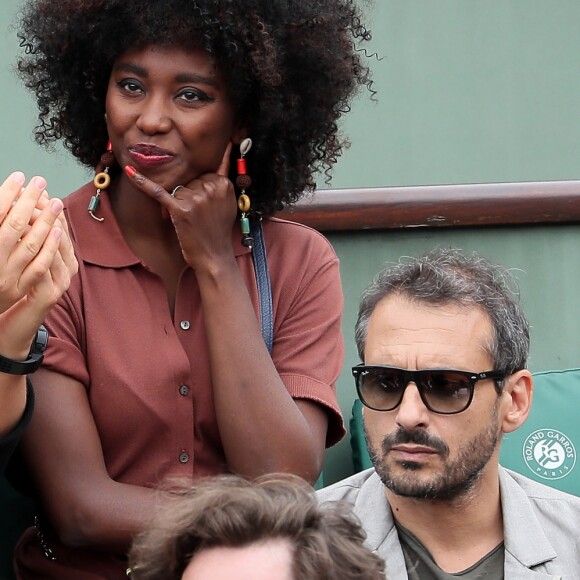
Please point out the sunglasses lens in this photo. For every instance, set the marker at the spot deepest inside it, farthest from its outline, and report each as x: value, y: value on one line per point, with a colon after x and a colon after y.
x: 381, y: 389
x: 446, y: 391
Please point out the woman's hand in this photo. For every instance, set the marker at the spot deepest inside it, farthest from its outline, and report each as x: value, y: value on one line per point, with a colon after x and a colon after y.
x: 274, y: 432
x: 203, y: 212
x: 36, y: 265
x: 37, y: 260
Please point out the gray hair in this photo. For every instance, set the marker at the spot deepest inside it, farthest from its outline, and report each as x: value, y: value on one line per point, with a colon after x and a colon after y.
x: 448, y: 276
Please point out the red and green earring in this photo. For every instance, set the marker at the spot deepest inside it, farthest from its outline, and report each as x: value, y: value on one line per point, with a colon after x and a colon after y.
x: 244, y: 182
x: 102, y: 180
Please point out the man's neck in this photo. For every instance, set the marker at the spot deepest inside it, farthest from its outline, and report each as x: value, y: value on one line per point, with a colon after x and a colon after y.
x: 458, y: 532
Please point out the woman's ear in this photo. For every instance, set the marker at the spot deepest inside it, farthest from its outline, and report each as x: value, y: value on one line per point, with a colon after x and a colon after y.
x: 241, y: 131
x: 517, y: 397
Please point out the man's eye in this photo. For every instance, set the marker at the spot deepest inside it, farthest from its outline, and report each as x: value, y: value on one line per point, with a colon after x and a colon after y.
x: 388, y: 383
x: 439, y: 384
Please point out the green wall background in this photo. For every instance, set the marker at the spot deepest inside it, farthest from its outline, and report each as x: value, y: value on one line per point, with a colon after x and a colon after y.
x: 468, y: 91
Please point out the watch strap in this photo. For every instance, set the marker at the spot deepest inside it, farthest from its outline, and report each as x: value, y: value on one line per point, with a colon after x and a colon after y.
x: 21, y: 367
x: 34, y: 360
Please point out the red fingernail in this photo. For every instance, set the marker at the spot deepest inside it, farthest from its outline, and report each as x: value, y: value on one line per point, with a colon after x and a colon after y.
x: 130, y: 170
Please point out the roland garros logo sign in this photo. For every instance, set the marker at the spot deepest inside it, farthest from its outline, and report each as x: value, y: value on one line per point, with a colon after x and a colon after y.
x: 549, y: 454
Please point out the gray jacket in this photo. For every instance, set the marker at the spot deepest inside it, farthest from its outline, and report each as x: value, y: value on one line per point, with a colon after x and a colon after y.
x: 541, y: 526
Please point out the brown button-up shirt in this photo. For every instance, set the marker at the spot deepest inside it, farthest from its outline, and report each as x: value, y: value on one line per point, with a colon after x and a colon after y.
x: 147, y: 374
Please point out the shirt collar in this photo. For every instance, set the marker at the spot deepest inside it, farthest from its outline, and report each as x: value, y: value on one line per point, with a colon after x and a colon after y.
x: 101, y: 242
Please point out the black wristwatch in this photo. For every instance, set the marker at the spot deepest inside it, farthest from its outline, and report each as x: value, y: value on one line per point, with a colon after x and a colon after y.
x: 34, y: 360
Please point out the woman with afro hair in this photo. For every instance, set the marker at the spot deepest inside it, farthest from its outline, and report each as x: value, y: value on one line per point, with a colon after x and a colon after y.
x: 156, y: 366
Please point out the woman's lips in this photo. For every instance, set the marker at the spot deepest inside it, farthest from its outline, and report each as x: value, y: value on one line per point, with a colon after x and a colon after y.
x: 149, y: 156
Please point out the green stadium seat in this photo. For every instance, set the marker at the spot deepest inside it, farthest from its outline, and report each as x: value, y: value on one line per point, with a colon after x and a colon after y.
x: 545, y: 447
x: 358, y: 444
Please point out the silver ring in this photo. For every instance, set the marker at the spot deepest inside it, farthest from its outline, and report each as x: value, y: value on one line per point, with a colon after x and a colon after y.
x: 175, y: 190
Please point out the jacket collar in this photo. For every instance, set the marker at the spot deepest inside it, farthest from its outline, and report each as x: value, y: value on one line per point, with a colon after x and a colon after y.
x: 373, y: 510
x: 525, y: 542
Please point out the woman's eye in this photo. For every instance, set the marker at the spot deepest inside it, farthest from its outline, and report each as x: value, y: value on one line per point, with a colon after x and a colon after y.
x: 193, y: 96
x: 130, y: 86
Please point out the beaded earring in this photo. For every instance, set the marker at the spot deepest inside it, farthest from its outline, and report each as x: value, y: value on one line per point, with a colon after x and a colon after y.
x: 244, y: 181
x: 102, y: 180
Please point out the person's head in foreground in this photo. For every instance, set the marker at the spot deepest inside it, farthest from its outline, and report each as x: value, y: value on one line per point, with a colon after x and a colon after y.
x: 445, y: 345
x: 228, y: 528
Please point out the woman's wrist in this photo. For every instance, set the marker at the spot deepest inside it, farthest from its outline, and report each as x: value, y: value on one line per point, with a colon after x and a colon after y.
x: 16, y: 349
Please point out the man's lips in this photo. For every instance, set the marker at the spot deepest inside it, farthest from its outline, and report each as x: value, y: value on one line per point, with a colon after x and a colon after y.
x: 413, y: 452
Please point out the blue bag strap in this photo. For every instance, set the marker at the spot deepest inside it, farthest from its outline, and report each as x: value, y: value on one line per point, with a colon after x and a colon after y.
x: 263, y: 283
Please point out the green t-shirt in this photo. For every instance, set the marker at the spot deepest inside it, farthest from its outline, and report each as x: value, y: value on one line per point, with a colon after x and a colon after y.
x: 421, y: 566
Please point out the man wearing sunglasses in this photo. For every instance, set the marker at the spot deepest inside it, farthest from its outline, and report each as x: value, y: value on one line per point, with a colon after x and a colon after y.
x: 445, y: 346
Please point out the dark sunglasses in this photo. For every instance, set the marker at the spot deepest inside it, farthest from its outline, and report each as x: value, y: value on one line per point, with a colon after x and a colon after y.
x: 443, y: 391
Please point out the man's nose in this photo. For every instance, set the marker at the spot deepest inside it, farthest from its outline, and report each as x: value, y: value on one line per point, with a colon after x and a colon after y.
x: 412, y: 412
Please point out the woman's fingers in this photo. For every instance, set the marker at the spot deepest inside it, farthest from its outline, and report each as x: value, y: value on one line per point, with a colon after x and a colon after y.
x: 33, y: 230
x: 160, y: 194
x: 18, y: 245
x: 66, y: 247
x: 9, y: 192
x: 51, y: 285
x: 45, y: 279
x: 23, y: 317
x: 61, y: 275
x: 224, y: 168
x: 67, y: 253
x: 43, y: 218
x: 20, y: 213
x: 37, y: 259
x: 149, y: 187
x: 34, y: 237
x: 17, y: 282
x: 35, y: 270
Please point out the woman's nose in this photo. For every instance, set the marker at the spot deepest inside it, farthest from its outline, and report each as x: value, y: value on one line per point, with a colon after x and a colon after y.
x: 153, y: 117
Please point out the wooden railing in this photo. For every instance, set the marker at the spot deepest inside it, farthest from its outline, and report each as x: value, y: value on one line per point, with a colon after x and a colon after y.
x: 489, y: 204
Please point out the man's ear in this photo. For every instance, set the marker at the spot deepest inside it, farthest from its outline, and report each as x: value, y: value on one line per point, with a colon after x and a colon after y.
x: 517, y: 397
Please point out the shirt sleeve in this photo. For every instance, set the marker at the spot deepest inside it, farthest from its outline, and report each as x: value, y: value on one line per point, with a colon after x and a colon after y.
x: 308, y: 343
x: 66, y: 348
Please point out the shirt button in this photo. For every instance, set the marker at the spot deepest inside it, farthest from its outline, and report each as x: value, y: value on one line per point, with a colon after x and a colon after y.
x: 183, y: 457
x: 184, y: 325
x: 184, y: 390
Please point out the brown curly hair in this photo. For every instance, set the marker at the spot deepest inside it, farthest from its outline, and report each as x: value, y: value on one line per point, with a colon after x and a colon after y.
x: 229, y: 511
x: 291, y: 66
